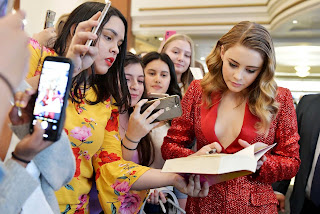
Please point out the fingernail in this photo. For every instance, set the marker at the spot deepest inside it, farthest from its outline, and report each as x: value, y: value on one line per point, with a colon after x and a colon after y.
x: 18, y: 103
x: 22, y: 103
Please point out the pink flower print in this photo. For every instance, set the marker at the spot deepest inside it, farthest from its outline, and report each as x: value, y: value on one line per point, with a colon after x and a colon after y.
x: 83, y: 199
x: 48, y: 50
x: 85, y: 152
x: 129, y: 203
x: 121, y: 186
x: 81, y: 133
x: 87, y: 157
x: 34, y: 43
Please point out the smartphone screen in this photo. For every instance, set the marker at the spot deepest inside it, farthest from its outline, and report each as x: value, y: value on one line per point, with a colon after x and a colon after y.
x: 103, y: 14
x: 53, y: 90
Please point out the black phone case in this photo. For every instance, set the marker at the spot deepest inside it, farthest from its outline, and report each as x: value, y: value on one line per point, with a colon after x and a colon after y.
x: 170, y: 104
x: 54, y: 136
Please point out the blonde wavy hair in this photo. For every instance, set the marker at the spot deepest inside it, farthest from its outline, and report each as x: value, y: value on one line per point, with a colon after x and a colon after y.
x: 186, y: 77
x: 262, y: 92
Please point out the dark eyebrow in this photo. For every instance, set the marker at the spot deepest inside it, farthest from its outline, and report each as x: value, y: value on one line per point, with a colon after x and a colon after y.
x: 114, y: 32
x: 234, y: 61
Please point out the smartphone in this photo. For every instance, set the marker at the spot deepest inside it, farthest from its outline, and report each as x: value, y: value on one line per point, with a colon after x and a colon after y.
x: 169, y: 33
x: 157, y: 95
x: 170, y: 104
x: 103, y: 14
x: 50, y: 16
x: 51, y: 100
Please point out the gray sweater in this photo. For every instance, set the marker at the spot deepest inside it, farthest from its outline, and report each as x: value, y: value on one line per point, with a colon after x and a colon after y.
x: 56, y: 165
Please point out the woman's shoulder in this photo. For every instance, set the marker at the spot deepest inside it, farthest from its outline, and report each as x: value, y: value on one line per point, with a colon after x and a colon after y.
x: 34, y: 44
x: 283, y: 93
x: 195, y: 87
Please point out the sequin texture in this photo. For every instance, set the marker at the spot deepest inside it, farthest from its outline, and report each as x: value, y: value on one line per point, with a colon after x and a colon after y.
x: 248, y: 194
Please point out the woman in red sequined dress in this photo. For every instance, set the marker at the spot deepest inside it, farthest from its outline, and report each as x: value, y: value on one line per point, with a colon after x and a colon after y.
x: 236, y: 104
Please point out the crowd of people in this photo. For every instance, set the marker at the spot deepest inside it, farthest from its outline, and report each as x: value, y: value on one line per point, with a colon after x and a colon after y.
x: 110, y: 154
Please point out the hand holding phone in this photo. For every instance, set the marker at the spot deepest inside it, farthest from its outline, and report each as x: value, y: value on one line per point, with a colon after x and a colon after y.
x: 171, y: 106
x: 82, y: 55
x: 140, y: 124
x: 53, y: 91
x: 96, y: 28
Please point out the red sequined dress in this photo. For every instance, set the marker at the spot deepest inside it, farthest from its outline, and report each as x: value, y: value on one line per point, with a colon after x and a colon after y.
x: 248, y: 194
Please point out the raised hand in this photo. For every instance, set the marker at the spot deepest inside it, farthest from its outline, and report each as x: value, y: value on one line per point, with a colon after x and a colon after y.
x: 82, y: 55
x: 32, y: 144
x: 141, y: 124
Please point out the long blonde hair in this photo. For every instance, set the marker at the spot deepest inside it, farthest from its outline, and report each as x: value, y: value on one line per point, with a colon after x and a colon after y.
x: 262, y: 92
x: 186, y: 77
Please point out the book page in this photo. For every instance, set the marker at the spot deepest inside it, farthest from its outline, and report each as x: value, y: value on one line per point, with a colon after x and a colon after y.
x: 216, y: 168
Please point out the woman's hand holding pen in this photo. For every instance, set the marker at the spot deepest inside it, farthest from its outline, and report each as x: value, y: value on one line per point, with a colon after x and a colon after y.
x: 209, y: 149
x: 263, y: 159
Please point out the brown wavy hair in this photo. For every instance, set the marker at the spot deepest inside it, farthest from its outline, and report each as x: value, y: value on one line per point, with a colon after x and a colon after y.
x: 262, y: 92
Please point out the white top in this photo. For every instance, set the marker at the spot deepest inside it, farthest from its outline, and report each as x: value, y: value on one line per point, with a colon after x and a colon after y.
x: 315, y: 159
x: 157, y: 134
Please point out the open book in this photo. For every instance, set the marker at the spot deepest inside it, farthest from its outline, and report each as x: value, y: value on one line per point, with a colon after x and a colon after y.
x: 216, y: 168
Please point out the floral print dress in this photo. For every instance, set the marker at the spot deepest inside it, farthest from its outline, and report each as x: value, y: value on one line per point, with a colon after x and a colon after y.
x: 94, y: 136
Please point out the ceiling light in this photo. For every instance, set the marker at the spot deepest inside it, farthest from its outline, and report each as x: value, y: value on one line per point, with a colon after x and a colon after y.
x: 302, y: 71
x: 295, y: 22
x: 298, y: 55
x: 202, y: 58
x: 160, y: 38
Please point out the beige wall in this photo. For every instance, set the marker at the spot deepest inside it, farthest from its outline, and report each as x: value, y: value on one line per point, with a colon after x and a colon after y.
x: 36, y: 10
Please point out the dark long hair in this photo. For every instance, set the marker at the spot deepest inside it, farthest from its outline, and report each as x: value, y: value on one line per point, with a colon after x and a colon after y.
x: 112, y: 83
x: 173, y: 86
x: 146, y: 151
x: 145, y: 147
